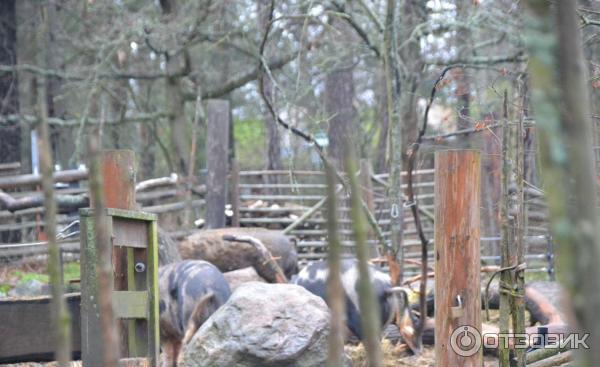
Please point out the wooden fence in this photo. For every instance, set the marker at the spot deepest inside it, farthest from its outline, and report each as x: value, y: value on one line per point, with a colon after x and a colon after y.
x: 292, y: 201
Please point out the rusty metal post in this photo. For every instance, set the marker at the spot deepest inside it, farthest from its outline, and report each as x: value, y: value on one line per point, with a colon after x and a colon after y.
x: 457, y: 259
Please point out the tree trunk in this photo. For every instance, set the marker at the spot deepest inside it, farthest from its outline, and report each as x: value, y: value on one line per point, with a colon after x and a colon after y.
x: 339, y: 95
x: 10, y: 149
x: 412, y: 14
x: 556, y: 61
x: 217, y: 137
x: 463, y: 47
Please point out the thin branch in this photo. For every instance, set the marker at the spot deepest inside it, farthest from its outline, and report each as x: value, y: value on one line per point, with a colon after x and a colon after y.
x: 33, y: 69
x: 263, y: 68
x: 358, y: 29
x: 8, y: 120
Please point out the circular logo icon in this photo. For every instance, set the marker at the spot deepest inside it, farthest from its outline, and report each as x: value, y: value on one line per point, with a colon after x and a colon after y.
x: 465, y: 341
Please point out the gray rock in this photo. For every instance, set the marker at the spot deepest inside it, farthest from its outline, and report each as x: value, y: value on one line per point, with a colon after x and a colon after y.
x: 266, y: 325
x: 29, y: 288
x: 236, y: 278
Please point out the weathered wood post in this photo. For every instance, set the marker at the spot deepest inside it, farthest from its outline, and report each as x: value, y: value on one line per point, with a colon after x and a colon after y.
x: 217, y: 164
x: 235, y: 193
x: 457, y: 259
x: 134, y: 255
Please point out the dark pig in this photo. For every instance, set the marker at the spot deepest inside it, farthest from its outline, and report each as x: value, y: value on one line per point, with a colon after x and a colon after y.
x: 190, y: 291
x: 393, y: 301
x: 209, y: 245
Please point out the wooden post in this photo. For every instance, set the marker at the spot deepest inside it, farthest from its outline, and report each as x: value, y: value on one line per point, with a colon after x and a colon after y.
x: 133, y: 270
x: 118, y: 184
x: 217, y: 162
x: 118, y: 179
x: 235, y: 193
x: 457, y: 257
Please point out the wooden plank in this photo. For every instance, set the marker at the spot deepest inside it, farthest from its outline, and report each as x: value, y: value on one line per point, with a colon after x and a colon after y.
x: 457, y: 254
x: 130, y: 304
x: 235, y: 193
x: 130, y: 233
x: 153, y: 338
x: 217, y: 165
x: 282, y: 172
x: 25, y: 326
x: 90, y: 316
x: 131, y: 286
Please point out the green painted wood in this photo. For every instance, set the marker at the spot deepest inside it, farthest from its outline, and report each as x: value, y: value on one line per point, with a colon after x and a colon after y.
x: 91, y: 334
x: 136, y: 300
x: 153, y: 295
x: 131, y: 324
x: 122, y: 213
x: 130, y: 304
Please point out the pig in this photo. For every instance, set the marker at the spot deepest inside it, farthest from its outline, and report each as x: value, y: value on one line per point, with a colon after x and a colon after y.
x: 190, y: 291
x: 209, y: 245
x: 393, y: 301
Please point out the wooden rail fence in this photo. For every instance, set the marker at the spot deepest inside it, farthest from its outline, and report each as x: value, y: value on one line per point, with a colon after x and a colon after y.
x: 286, y: 200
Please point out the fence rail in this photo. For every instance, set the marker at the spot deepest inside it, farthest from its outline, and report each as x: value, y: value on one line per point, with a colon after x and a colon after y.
x: 281, y: 199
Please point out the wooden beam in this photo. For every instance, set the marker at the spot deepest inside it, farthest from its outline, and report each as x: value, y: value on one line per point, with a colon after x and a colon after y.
x: 217, y: 165
x: 234, y: 197
x: 457, y: 246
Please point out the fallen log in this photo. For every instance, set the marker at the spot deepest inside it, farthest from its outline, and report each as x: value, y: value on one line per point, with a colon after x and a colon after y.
x: 64, y: 202
x: 543, y: 353
x: 11, y: 182
x: 556, y: 360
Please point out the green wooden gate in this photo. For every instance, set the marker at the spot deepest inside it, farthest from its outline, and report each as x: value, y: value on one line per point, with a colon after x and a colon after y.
x: 135, y: 285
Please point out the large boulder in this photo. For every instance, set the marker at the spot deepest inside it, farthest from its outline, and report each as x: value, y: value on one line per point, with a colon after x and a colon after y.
x: 232, y: 255
x: 266, y: 325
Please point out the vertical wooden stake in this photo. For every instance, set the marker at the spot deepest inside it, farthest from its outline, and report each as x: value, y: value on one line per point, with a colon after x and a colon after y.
x: 235, y: 193
x: 217, y: 165
x: 457, y: 257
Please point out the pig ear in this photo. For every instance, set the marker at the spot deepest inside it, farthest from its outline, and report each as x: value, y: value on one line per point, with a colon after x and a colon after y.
x: 198, y: 316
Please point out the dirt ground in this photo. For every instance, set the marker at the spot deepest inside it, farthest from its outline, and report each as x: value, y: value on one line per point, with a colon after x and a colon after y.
x: 394, y: 358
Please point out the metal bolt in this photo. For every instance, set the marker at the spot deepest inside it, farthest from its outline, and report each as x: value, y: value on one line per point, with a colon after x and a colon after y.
x: 140, y: 267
